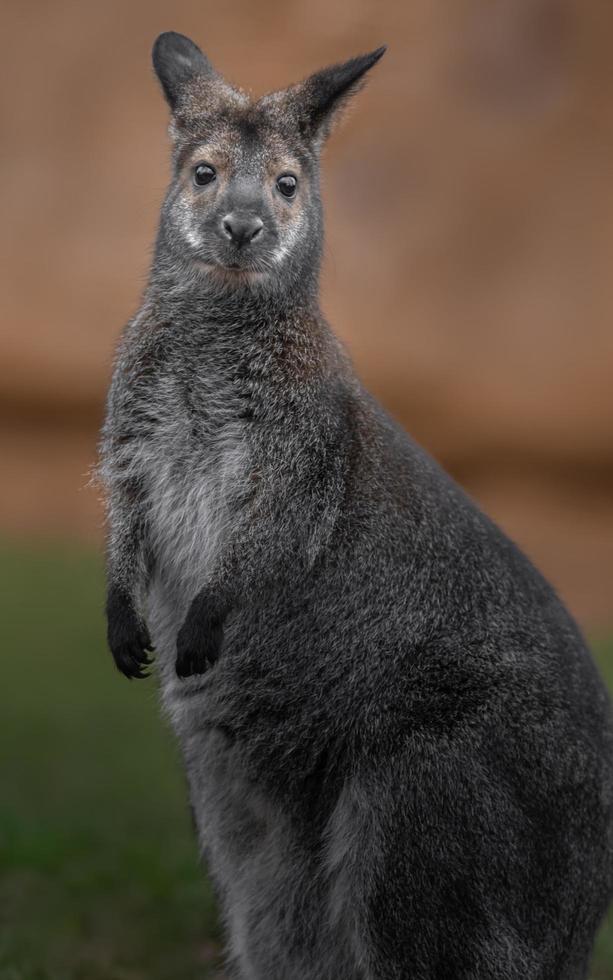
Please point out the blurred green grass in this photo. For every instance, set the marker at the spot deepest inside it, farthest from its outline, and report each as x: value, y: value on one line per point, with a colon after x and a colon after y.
x: 99, y: 875
x: 99, y: 870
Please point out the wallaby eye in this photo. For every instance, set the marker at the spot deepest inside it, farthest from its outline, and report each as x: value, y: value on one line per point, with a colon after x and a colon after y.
x: 204, y: 174
x: 287, y: 184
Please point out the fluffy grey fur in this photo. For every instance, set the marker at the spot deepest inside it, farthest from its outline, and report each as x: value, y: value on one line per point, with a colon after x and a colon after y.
x: 398, y: 748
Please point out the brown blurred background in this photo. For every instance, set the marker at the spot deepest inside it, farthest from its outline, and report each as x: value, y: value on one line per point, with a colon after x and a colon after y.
x: 469, y: 260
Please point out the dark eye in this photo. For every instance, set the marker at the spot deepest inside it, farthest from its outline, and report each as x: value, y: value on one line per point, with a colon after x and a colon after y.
x: 203, y: 174
x: 287, y: 184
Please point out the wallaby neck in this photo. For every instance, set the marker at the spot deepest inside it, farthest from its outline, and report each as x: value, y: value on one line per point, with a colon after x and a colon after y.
x: 184, y: 287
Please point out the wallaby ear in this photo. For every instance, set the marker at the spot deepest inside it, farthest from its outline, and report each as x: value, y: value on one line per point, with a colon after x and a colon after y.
x: 320, y: 97
x: 177, y: 60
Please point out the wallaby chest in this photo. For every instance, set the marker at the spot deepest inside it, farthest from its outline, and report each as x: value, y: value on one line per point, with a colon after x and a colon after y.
x: 190, y: 448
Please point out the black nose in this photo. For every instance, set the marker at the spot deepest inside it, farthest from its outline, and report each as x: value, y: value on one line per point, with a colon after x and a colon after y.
x: 242, y: 228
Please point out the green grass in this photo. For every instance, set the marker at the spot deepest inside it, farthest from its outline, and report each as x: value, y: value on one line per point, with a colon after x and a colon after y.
x: 100, y: 876
x: 99, y: 872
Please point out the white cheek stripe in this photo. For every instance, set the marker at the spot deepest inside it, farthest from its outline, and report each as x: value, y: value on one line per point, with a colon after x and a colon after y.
x: 279, y: 254
x: 192, y: 236
x: 290, y: 240
x: 184, y: 220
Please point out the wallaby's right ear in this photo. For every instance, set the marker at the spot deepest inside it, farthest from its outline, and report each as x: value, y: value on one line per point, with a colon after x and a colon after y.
x: 177, y: 60
x: 316, y: 102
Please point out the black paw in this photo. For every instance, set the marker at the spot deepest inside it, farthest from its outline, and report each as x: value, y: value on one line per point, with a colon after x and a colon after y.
x: 127, y: 636
x: 199, y: 642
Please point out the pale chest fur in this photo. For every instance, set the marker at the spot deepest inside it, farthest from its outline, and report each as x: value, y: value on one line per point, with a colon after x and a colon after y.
x: 192, y: 489
x: 192, y: 458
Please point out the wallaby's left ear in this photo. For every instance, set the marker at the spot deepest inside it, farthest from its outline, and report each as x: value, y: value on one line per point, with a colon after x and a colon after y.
x: 177, y: 60
x: 320, y: 97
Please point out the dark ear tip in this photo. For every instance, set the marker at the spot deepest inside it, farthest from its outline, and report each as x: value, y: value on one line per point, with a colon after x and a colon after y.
x: 161, y: 42
x: 377, y: 54
x: 164, y: 36
x: 169, y: 40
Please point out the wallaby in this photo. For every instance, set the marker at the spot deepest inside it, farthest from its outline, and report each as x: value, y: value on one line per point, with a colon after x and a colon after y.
x: 398, y: 747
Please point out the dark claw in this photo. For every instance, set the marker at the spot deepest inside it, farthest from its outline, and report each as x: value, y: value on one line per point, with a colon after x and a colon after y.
x: 129, y: 660
x: 128, y: 637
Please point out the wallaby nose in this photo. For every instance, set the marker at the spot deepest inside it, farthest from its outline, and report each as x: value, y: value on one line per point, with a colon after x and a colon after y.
x: 242, y: 228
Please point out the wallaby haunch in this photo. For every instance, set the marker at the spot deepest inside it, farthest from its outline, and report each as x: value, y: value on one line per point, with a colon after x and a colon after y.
x: 399, y: 750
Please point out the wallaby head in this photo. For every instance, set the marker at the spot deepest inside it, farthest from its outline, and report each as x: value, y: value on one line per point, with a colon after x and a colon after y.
x: 243, y: 208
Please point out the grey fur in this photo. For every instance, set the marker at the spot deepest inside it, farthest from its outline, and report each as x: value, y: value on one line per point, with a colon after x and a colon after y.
x: 398, y: 748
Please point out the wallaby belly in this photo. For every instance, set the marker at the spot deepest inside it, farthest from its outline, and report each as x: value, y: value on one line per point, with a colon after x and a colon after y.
x: 429, y: 793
